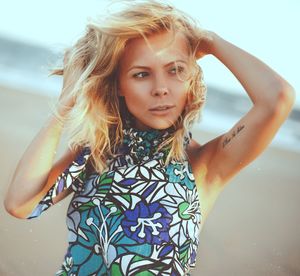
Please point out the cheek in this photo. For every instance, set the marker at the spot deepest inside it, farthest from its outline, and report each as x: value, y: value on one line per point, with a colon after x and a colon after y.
x: 132, y: 89
x: 137, y: 88
x: 182, y: 94
x: 136, y: 101
x: 137, y: 94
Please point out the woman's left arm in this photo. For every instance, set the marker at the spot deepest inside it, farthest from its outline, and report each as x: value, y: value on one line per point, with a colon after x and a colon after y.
x: 272, y: 97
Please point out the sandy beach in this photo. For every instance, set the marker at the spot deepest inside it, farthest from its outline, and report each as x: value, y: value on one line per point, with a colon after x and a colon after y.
x: 253, y: 228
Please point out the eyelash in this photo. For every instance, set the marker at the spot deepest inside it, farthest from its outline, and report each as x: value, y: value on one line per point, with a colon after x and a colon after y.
x: 180, y: 69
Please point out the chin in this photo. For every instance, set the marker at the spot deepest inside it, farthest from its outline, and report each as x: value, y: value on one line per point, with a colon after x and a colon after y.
x: 156, y: 122
x: 157, y: 125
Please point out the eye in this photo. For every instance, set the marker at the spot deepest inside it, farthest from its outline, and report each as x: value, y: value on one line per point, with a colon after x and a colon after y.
x: 179, y: 69
x: 140, y: 75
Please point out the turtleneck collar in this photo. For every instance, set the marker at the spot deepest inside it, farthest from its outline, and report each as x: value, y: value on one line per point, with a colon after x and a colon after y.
x: 142, y: 145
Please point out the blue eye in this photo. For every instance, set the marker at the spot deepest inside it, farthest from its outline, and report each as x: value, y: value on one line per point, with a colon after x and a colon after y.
x: 139, y: 74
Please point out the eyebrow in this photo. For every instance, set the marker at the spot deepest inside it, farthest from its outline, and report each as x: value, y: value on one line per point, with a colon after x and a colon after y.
x: 146, y: 67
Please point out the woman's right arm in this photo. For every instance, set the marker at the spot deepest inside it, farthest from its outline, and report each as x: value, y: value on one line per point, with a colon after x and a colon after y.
x: 35, y: 172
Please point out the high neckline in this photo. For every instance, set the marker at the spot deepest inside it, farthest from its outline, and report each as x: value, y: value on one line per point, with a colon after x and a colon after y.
x: 142, y: 145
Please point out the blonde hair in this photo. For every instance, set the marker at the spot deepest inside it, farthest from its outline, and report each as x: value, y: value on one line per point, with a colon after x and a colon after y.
x: 96, y: 117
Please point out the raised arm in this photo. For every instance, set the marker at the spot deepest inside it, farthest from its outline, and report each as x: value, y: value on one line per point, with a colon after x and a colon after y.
x: 272, y: 97
x: 30, y: 177
x: 35, y: 172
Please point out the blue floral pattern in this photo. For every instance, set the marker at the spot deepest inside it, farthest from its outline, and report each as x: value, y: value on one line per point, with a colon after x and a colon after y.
x: 138, y: 217
x: 147, y: 223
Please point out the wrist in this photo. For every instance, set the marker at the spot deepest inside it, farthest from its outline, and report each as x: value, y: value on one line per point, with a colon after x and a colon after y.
x: 59, y: 114
x: 215, y: 39
x: 206, y: 43
x: 54, y: 121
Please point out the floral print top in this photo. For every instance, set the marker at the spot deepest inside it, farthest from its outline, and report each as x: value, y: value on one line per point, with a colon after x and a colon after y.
x: 138, y: 217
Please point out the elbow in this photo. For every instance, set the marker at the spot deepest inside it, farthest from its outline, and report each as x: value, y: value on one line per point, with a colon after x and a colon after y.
x: 9, y: 209
x: 13, y: 211
x: 288, y: 93
x: 286, y: 100
x: 283, y: 102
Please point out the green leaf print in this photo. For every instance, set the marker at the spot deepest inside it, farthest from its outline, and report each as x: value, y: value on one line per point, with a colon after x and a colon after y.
x: 86, y: 206
x: 183, y: 251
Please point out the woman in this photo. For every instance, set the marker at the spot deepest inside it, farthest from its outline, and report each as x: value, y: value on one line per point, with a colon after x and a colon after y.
x: 142, y: 187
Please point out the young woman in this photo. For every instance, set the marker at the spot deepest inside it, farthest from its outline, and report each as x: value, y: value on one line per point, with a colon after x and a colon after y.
x: 142, y: 187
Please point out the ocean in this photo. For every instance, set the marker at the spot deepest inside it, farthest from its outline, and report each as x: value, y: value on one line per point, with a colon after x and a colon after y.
x: 26, y: 67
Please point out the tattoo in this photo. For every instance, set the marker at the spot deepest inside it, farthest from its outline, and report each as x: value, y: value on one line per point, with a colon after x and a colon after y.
x: 233, y: 134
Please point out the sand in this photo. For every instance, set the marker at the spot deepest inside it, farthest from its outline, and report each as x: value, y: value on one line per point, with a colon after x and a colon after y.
x: 253, y: 228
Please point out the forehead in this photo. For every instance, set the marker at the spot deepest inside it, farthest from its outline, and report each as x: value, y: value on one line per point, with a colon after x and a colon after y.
x: 162, y: 47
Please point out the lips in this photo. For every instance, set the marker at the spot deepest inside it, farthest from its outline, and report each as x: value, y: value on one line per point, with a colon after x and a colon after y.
x: 161, y: 107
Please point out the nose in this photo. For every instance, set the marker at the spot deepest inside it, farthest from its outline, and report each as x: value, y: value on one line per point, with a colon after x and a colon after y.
x: 160, y: 91
x: 160, y: 88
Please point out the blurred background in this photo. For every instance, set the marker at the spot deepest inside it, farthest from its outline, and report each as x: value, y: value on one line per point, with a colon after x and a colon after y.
x: 255, y: 224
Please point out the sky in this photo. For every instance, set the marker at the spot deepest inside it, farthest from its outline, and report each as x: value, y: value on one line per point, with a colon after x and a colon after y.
x: 267, y: 29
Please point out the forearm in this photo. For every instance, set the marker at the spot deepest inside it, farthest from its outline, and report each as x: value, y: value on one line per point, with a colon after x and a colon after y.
x: 263, y: 85
x: 33, y: 168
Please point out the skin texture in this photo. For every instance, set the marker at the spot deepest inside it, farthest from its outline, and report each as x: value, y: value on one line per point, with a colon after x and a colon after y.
x: 158, y: 84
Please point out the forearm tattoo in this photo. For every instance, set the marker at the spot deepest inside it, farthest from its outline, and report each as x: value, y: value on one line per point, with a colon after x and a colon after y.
x: 233, y: 134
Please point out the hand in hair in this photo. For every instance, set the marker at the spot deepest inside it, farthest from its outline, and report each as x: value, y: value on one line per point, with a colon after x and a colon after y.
x: 205, y: 43
x: 71, y: 74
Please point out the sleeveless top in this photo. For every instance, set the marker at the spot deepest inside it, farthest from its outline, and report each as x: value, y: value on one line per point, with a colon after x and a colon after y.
x: 138, y: 217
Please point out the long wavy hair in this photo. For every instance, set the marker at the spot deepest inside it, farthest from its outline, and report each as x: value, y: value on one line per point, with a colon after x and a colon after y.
x: 97, y: 117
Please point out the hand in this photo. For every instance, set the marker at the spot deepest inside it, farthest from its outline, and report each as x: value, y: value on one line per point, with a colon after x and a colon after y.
x: 71, y: 74
x: 205, y: 43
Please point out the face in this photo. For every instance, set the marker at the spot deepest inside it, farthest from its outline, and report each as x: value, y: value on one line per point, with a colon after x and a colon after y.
x: 148, y: 78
